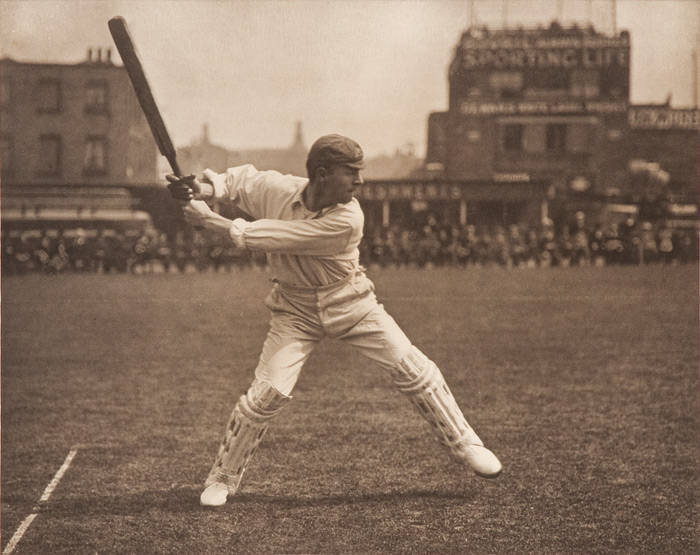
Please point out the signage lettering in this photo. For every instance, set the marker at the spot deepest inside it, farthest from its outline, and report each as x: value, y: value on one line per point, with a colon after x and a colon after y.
x: 663, y: 118
x: 565, y: 58
x: 543, y: 42
x: 385, y: 192
x: 471, y: 108
x: 411, y: 191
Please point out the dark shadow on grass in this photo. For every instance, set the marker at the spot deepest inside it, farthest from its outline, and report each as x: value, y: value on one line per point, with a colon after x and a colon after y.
x: 179, y: 500
x: 186, y: 500
x: 290, y: 501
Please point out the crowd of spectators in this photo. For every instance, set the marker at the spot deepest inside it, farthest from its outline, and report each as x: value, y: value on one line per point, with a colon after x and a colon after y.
x: 115, y: 250
x: 433, y: 245
x: 544, y: 245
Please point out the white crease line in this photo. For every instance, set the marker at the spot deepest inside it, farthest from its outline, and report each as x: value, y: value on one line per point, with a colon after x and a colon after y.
x: 9, y: 548
x: 19, y: 533
x: 57, y: 478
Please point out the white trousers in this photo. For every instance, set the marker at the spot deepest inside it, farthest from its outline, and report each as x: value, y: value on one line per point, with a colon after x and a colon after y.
x: 345, y: 310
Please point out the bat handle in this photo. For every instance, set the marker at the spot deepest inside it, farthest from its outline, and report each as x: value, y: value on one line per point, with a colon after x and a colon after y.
x: 178, y: 172
x: 175, y: 166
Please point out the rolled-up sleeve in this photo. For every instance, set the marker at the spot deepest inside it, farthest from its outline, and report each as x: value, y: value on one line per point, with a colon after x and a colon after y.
x: 237, y: 231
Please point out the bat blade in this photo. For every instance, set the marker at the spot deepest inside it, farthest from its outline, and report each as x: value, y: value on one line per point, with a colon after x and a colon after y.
x: 137, y: 76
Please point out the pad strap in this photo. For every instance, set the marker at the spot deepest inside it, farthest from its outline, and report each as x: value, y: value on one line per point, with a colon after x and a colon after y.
x: 417, y: 377
x: 244, y: 432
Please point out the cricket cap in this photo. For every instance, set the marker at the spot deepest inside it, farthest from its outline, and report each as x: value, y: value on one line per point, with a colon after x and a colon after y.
x: 334, y: 150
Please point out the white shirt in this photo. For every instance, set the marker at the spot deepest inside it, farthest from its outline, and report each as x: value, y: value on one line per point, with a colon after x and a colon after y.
x: 304, y: 248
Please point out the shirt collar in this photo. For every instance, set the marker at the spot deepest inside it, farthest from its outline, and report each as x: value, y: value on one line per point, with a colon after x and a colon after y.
x: 298, y: 198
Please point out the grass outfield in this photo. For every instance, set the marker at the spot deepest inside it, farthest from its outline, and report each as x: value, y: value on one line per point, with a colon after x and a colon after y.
x: 583, y: 381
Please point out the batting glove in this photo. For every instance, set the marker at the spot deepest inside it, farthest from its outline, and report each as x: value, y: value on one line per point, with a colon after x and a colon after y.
x: 182, y: 188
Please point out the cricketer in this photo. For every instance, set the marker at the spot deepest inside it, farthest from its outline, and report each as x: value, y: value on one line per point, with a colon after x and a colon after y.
x: 310, y: 230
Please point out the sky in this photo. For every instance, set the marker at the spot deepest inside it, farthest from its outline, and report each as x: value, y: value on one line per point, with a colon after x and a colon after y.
x: 370, y: 69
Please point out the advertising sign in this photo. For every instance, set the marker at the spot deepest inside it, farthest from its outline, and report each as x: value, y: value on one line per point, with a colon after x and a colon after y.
x: 529, y: 107
x: 663, y: 117
x: 411, y: 191
x: 545, y: 52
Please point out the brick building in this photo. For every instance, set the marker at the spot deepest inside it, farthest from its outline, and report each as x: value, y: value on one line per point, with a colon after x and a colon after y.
x: 552, y: 105
x: 669, y: 138
x: 74, y: 145
x: 72, y: 124
x: 534, y: 104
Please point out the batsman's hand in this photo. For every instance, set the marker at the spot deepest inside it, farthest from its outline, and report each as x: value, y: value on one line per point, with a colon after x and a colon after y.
x: 182, y: 188
x: 197, y: 212
x: 188, y: 187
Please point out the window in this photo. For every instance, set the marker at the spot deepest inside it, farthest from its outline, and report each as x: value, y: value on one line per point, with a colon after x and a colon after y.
x: 584, y: 83
x: 49, y: 96
x: 579, y: 138
x: 6, y: 155
x: 547, y: 81
x: 5, y: 94
x: 95, y: 161
x: 506, y: 84
x: 96, y: 97
x: 556, y: 137
x: 534, y: 138
x: 49, y: 155
x: 473, y: 135
x: 513, y: 137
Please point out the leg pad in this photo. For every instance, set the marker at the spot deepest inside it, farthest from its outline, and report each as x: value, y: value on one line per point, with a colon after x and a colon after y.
x: 417, y: 377
x: 244, y: 432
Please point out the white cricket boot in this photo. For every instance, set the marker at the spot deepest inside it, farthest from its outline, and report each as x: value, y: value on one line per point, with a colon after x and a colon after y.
x: 214, y: 495
x: 482, y: 461
x: 420, y: 379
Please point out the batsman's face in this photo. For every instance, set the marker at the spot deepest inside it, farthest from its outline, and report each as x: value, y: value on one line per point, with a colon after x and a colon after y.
x: 341, y: 183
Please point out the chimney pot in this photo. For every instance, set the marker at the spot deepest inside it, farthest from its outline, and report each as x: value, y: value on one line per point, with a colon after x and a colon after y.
x: 99, y: 55
x: 109, y: 55
x: 89, y: 55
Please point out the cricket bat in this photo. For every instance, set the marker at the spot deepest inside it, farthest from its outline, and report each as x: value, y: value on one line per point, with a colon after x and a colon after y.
x: 132, y: 63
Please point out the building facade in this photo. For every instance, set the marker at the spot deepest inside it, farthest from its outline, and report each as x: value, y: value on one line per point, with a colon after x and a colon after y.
x: 412, y: 203
x: 553, y: 105
x: 668, y: 138
x: 535, y: 104
x: 72, y: 124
